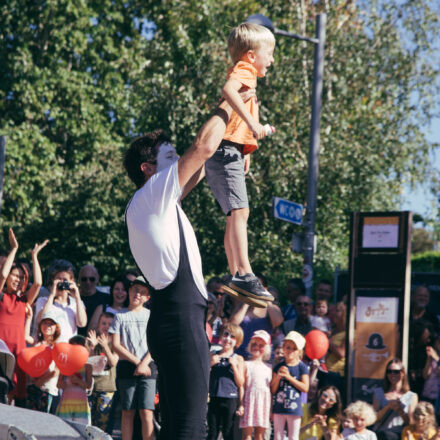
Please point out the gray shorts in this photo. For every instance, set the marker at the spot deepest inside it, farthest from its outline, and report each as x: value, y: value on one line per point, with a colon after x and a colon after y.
x: 225, y: 176
x: 137, y: 392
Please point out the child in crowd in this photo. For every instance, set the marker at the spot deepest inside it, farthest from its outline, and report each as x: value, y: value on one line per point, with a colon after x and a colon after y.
x: 226, y: 378
x: 74, y: 404
x: 136, y: 373
x: 103, y: 361
x: 363, y: 415
x: 257, y: 399
x: 290, y: 379
x: 423, y: 426
x: 278, y: 355
x: 251, y: 48
x: 320, y: 319
x: 347, y: 425
x: 42, y: 392
x: 118, y: 301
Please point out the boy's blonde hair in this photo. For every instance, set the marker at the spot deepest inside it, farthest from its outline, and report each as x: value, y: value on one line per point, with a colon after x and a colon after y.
x: 427, y: 410
x: 361, y: 409
x: 248, y: 36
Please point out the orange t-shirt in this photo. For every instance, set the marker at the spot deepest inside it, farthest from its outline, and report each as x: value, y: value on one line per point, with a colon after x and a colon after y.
x: 237, y: 130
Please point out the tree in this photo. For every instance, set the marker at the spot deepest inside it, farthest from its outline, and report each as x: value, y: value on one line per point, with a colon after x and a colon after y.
x: 80, y: 79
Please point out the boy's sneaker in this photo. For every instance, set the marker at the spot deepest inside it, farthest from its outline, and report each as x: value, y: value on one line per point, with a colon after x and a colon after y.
x: 243, y: 298
x: 249, y: 285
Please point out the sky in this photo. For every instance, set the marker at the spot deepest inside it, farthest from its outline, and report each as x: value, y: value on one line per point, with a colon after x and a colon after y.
x: 420, y: 200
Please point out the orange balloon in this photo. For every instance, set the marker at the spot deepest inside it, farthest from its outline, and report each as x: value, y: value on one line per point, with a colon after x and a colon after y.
x: 69, y: 358
x: 316, y: 344
x: 209, y: 331
x: 35, y: 360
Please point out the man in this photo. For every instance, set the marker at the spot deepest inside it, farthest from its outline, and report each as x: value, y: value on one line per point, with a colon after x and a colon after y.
x: 323, y: 290
x: 302, y: 323
x: 420, y: 299
x: 88, y: 279
x: 295, y: 287
x: 165, y: 249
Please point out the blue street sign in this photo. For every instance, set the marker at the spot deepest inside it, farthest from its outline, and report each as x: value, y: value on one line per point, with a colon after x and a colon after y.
x: 288, y: 211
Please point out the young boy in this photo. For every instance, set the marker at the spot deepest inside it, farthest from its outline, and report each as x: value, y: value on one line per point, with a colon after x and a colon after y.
x: 251, y: 48
x: 136, y: 373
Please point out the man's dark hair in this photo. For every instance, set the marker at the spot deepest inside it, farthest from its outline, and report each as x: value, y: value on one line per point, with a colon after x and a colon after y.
x: 143, y: 149
x: 325, y: 281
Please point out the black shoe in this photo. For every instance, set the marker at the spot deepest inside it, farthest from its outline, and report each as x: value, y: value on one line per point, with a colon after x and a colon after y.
x: 243, y: 298
x: 249, y: 285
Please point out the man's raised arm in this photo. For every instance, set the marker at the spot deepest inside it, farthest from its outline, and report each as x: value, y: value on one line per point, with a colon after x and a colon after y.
x: 206, y: 142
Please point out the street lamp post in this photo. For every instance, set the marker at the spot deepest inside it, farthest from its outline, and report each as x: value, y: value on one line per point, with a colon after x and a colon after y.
x: 312, y: 177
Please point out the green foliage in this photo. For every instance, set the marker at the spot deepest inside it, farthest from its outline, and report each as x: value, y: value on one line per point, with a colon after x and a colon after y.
x: 79, y: 80
x: 426, y: 262
x: 421, y: 241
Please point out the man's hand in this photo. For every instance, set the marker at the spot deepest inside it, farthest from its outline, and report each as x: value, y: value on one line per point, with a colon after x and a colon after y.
x: 247, y: 163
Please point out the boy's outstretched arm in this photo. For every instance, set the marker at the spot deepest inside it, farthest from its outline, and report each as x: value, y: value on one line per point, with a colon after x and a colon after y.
x: 230, y: 93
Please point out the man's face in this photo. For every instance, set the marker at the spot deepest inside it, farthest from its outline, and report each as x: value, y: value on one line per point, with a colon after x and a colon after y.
x: 323, y: 291
x: 421, y: 297
x: 303, y: 306
x: 88, y: 281
x: 292, y: 292
x: 166, y: 156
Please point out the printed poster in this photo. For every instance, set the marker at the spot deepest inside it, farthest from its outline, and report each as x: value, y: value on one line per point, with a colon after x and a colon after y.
x: 376, y: 335
x: 380, y: 232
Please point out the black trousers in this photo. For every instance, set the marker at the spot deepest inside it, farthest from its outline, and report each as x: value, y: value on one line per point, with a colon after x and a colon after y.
x: 178, y: 344
x: 221, y: 415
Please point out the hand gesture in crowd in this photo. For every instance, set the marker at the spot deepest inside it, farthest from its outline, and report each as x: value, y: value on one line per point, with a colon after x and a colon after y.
x: 37, y: 248
x: 13, y: 243
x: 284, y: 372
x: 215, y: 359
x: 92, y: 339
x: 395, y: 405
x: 430, y: 351
x: 103, y: 340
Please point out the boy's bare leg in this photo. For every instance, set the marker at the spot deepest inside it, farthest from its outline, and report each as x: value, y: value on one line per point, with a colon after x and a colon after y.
x: 236, y: 230
x: 127, y: 424
x: 146, y: 416
x: 244, y: 285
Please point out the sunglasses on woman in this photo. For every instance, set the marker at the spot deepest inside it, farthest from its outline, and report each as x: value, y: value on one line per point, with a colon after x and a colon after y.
x: 389, y: 371
x: 328, y: 397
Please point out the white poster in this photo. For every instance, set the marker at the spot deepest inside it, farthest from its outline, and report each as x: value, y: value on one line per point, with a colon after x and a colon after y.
x: 380, y: 232
x: 378, y: 310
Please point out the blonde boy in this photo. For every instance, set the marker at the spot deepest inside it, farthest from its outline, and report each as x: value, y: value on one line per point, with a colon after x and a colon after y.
x: 251, y: 48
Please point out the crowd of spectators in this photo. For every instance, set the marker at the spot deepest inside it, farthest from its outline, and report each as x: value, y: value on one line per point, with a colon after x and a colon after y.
x: 262, y: 385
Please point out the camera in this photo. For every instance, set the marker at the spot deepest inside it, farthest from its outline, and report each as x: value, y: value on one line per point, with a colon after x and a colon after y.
x: 63, y: 285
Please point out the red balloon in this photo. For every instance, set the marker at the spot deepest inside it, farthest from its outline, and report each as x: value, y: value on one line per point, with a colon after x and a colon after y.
x: 209, y: 331
x: 69, y: 358
x: 35, y: 360
x: 316, y: 344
